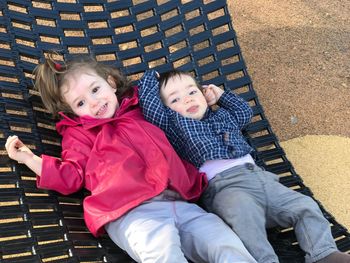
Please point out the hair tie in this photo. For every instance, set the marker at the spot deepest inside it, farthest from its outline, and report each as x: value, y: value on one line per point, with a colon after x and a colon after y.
x: 58, y: 66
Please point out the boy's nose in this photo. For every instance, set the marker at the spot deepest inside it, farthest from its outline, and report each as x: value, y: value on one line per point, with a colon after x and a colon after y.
x: 187, y: 99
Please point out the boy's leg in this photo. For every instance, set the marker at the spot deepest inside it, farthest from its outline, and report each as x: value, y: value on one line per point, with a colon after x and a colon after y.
x: 206, y: 238
x: 289, y: 208
x: 148, y: 233
x: 240, y: 199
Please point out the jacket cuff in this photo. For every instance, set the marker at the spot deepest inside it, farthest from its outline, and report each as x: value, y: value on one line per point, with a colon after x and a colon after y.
x: 45, y: 181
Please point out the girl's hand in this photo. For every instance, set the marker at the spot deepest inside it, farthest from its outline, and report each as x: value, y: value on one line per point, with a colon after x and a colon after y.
x: 17, y: 150
x: 212, y: 93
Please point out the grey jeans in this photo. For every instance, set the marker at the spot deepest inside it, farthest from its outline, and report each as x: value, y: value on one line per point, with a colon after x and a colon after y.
x: 250, y: 200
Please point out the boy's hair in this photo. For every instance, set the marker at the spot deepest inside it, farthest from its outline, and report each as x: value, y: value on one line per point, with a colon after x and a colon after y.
x: 164, y: 77
x: 51, y: 75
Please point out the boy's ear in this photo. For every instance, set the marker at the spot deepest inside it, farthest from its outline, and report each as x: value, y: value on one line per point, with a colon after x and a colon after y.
x: 111, y: 82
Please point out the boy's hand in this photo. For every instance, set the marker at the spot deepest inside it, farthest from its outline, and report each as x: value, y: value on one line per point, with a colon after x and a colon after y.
x: 212, y: 93
x: 17, y: 150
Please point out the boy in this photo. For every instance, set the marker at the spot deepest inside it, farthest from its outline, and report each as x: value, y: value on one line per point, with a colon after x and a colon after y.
x: 248, y: 198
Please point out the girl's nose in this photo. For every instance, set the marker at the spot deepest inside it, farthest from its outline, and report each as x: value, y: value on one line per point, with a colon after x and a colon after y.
x: 93, y: 102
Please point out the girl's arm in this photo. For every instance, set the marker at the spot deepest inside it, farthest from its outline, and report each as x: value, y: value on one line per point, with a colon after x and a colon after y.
x: 19, y: 152
x: 65, y: 176
x: 151, y: 104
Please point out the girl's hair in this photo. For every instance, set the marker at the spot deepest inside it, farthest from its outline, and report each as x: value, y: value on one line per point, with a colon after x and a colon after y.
x: 51, y: 75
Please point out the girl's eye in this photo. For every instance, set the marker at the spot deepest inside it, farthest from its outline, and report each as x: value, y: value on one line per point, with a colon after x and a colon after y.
x: 80, y: 103
x: 193, y: 92
x: 94, y: 90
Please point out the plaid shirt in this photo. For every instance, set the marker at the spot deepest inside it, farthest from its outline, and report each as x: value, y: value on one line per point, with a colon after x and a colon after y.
x: 216, y: 136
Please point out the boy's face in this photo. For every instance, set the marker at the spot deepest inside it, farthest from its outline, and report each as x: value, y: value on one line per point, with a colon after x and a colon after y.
x: 182, y: 95
x: 88, y: 94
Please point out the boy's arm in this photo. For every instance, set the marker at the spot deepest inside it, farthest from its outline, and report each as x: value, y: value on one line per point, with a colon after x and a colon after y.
x: 212, y: 94
x: 237, y: 107
x: 151, y: 104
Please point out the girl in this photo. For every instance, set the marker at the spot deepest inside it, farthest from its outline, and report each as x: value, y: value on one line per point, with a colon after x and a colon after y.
x: 139, y: 186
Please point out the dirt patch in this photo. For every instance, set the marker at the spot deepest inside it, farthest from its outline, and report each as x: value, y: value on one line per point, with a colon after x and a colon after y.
x: 297, y: 54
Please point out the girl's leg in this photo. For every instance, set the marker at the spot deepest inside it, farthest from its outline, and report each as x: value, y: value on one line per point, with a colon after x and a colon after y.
x: 148, y: 233
x: 206, y: 238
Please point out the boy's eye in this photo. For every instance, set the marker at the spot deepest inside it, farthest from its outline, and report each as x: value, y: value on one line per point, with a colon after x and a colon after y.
x: 80, y: 103
x: 174, y: 100
x: 193, y: 92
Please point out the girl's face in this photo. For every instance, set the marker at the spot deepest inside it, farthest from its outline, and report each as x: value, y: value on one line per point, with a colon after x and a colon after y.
x: 181, y: 94
x: 88, y: 94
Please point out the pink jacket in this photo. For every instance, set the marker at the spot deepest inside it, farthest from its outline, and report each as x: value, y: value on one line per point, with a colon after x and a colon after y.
x: 122, y: 161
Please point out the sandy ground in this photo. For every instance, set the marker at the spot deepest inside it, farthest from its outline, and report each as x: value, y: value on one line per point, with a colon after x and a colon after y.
x: 297, y: 53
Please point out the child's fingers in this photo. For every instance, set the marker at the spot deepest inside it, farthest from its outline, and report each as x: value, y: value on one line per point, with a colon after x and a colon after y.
x: 19, y: 143
x: 210, y: 98
x: 207, y: 89
x: 11, y: 149
x: 216, y: 90
x: 207, y: 95
x: 9, y: 141
x: 211, y: 103
x: 210, y: 94
x: 13, y: 144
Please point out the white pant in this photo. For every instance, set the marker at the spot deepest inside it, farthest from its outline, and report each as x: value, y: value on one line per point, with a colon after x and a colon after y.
x: 163, y: 230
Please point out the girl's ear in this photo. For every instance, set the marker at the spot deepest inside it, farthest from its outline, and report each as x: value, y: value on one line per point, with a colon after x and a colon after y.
x: 111, y: 82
